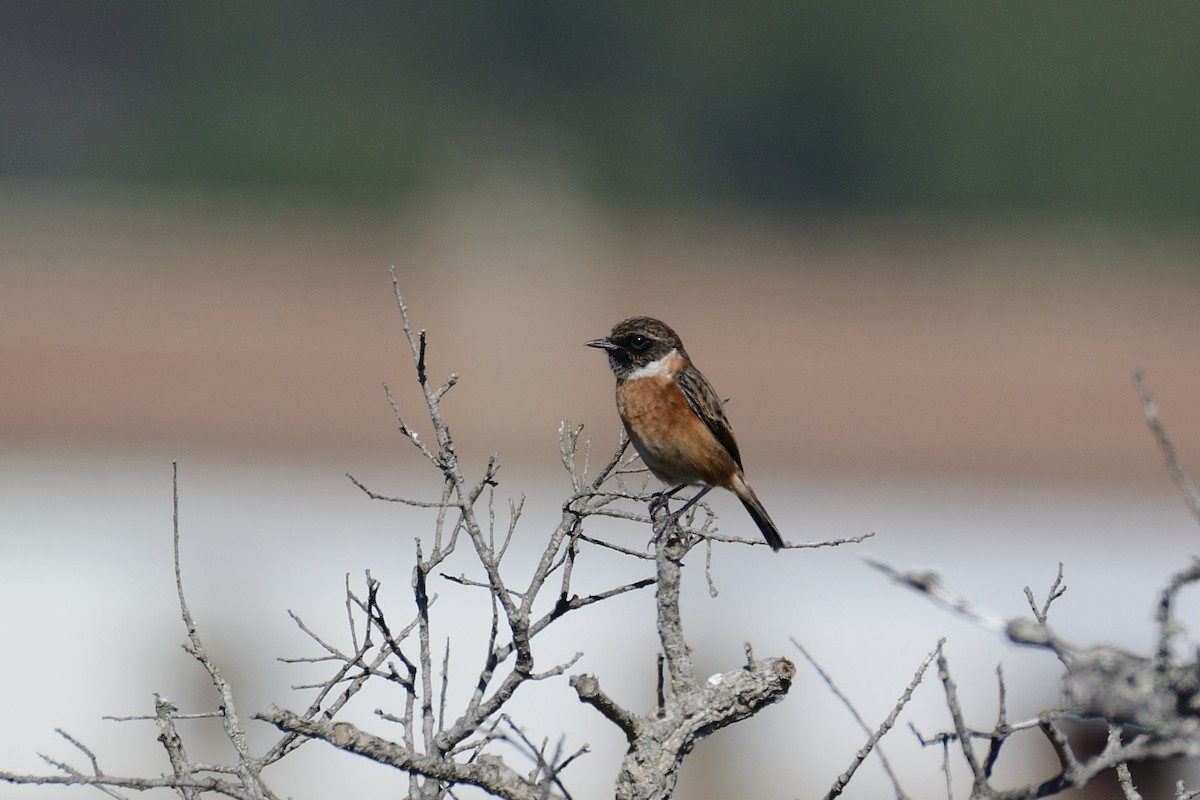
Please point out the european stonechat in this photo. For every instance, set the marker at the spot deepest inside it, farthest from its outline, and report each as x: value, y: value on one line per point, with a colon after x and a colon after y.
x: 675, y: 418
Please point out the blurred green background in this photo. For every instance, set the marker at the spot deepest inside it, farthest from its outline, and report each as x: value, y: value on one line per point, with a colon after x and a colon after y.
x: 945, y: 107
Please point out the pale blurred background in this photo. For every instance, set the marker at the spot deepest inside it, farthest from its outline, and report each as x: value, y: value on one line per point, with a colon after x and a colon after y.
x: 919, y: 246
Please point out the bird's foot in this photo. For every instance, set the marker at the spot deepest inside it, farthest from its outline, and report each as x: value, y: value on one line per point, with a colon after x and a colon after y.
x: 659, y: 501
x: 662, y: 519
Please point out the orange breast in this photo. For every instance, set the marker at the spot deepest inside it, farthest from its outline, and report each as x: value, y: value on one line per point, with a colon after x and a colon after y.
x: 673, y: 442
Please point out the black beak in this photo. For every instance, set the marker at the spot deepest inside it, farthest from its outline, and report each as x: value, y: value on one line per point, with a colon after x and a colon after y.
x: 603, y: 344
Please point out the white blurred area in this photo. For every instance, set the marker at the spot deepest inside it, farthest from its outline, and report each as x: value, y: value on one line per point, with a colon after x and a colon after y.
x: 92, y: 627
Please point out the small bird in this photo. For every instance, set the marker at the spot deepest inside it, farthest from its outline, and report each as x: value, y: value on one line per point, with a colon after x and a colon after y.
x: 675, y: 418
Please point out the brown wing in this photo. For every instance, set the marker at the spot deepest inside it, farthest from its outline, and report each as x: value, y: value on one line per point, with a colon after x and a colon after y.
x: 704, y: 400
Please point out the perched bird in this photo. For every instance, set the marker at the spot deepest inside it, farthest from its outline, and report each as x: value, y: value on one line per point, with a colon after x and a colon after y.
x: 675, y: 418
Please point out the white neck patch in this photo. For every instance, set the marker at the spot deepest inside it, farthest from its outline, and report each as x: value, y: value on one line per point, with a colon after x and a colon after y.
x: 655, y: 368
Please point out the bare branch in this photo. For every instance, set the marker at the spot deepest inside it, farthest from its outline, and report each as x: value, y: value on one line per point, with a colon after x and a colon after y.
x: 180, y: 765
x: 1154, y: 419
x: 106, y: 783
x: 1124, y: 779
x: 1057, y: 590
x: 390, y: 499
x: 956, y: 713
x: 930, y: 584
x: 589, y: 691
x: 489, y: 774
x: 1168, y: 629
x: 249, y: 767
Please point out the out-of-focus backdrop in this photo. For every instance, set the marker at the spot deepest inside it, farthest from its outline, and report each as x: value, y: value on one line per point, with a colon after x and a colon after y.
x: 920, y: 247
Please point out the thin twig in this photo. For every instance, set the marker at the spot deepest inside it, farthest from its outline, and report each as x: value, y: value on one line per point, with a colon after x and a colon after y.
x: 1154, y: 419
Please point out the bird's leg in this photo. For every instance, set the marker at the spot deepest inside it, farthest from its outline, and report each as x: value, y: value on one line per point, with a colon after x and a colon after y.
x: 692, y: 501
x: 659, y: 500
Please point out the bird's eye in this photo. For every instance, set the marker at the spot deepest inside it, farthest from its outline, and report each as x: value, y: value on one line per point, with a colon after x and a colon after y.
x: 639, y: 342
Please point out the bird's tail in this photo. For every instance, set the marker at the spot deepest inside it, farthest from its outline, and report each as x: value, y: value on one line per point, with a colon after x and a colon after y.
x: 759, y: 514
